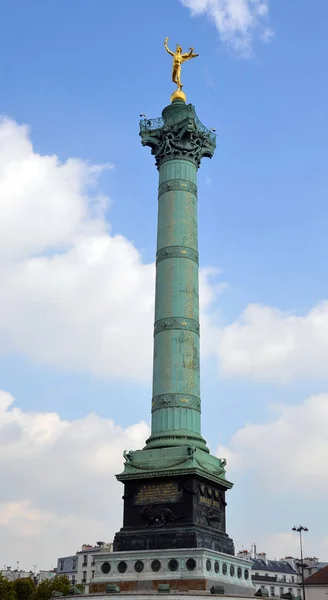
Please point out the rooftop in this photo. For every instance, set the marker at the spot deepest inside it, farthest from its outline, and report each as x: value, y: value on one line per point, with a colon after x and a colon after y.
x: 276, y: 566
x: 318, y: 578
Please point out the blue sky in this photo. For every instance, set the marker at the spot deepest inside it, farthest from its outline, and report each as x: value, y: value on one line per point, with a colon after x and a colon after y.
x: 78, y: 74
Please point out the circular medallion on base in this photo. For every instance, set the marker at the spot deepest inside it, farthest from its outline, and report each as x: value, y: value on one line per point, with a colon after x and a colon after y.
x: 191, y: 564
x: 122, y: 566
x: 106, y: 567
x: 173, y: 564
x: 155, y: 565
x: 139, y: 566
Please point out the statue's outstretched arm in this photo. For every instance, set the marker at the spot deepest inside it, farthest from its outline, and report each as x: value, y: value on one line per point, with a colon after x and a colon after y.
x: 188, y: 55
x: 167, y: 48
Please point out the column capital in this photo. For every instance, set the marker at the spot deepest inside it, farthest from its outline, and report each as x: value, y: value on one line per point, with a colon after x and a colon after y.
x: 178, y: 134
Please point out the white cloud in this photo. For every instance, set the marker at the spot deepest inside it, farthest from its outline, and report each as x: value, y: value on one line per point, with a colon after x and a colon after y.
x: 72, y: 294
x: 60, y: 483
x: 286, y: 543
x: 267, y: 344
x: 76, y: 296
x: 237, y: 21
x: 291, y: 448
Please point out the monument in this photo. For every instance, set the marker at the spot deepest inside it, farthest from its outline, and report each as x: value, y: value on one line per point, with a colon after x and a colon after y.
x: 174, y: 518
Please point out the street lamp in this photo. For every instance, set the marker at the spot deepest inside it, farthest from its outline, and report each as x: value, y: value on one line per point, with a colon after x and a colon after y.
x: 299, y: 529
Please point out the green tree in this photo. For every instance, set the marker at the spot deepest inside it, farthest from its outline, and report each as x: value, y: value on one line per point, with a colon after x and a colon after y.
x: 61, y: 584
x: 7, y: 591
x: 48, y: 586
x: 24, y: 588
x: 43, y: 591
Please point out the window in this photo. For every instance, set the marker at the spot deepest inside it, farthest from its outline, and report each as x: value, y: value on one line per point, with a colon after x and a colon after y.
x: 74, y: 564
x: 293, y: 578
x: 299, y: 592
x: 61, y: 565
x: 284, y: 577
x: 281, y: 591
x: 85, y: 561
x: 272, y: 591
x: 92, y: 574
x: 290, y: 590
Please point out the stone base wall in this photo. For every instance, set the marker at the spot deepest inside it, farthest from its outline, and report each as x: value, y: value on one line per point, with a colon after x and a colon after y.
x: 181, y: 585
x: 185, y: 570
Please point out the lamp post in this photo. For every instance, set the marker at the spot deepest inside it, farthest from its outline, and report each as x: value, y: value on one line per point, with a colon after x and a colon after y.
x: 299, y: 529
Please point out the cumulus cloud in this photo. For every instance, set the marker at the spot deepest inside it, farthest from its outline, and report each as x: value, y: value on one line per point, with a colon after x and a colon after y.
x: 292, y: 447
x: 267, y: 344
x: 59, y: 482
x: 77, y: 296
x: 60, y: 490
x: 72, y: 294
x: 237, y: 21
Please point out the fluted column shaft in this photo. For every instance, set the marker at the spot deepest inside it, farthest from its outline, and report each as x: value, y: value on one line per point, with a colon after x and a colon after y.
x: 179, y: 142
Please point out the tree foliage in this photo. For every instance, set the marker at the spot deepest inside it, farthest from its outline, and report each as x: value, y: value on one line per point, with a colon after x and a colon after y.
x: 46, y: 588
x: 24, y: 588
x: 7, y: 591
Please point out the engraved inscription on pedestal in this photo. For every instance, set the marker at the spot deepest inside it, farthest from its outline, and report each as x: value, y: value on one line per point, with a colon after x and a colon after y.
x: 209, y: 502
x: 210, y: 497
x: 158, y: 493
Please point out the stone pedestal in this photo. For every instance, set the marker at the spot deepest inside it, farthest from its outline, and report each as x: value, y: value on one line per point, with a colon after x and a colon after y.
x: 174, y: 498
x: 193, y: 570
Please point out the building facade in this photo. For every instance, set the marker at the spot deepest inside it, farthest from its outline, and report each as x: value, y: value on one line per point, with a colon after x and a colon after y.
x: 67, y: 565
x: 12, y: 574
x: 276, y: 577
x: 79, y: 568
x: 44, y: 575
x: 316, y: 586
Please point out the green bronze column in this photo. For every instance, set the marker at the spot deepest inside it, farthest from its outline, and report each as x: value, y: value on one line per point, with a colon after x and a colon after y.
x: 174, y: 489
x: 178, y: 141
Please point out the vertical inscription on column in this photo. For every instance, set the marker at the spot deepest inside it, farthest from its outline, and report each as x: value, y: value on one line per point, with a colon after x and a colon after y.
x: 166, y: 287
x: 167, y: 362
x: 190, y: 363
x: 188, y: 290
x: 167, y: 220
x: 188, y: 220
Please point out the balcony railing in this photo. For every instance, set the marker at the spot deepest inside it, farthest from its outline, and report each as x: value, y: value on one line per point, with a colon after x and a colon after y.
x: 268, y: 578
x: 84, y: 579
x: 85, y: 564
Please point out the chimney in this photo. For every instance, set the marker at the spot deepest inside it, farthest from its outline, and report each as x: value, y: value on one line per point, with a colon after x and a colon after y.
x: 262, y: 556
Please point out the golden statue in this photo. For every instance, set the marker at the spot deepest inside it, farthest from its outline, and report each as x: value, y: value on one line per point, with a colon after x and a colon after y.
x: 178, y: 58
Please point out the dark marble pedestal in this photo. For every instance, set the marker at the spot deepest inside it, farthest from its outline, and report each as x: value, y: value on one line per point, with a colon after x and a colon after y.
x: 173, y: 512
